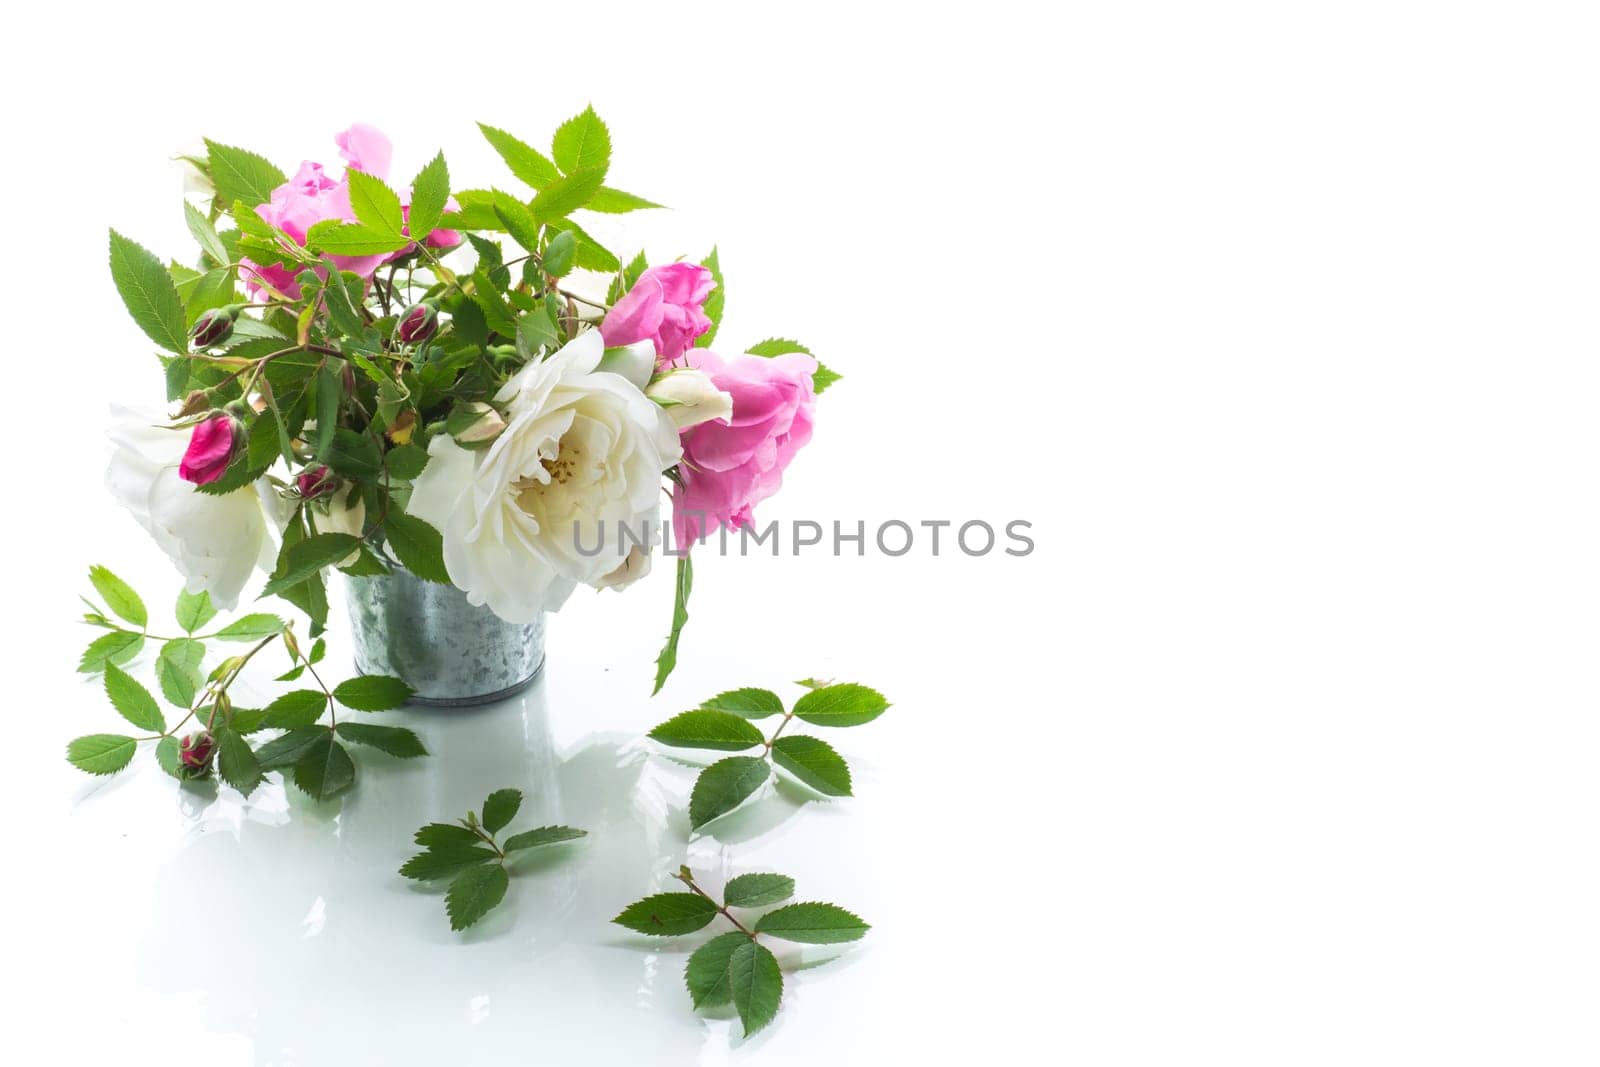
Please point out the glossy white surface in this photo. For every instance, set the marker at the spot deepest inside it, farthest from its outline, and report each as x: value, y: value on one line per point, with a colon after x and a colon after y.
x: 1277, y: 321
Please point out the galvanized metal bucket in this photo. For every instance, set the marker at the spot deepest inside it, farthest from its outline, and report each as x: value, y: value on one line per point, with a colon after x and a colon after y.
x: 454, y: 654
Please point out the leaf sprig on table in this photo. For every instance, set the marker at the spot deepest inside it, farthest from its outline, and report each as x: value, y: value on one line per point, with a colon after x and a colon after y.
x: 478, y: 864
x: 725, y: 723
x: 735, y: 966
x: 308, y: 751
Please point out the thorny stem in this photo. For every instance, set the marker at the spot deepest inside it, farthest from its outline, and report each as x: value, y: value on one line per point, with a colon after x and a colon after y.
x: 686, y: 876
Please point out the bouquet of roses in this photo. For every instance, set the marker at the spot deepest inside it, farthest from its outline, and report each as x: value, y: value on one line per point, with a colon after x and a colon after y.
x: 362, y: 378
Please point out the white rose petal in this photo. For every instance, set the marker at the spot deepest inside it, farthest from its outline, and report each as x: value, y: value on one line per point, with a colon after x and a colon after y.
x: 581, y: 456
x: 216, y: 541
x: 691, y: 398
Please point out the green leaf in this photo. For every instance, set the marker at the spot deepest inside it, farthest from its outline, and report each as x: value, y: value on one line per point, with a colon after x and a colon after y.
x: 813, y: 924
x: 757, y: 890
x: 101, y: 753
x: 295, y: 709
x: 118, y: 595
x: 355, y: 455
x: 750, y: 703
x: 418, y: 545
x: 723, y: 786
x: 242, y: 176
x: 500, y: 808
x: 307, y: 558
x: 214, y: 289
x: 251, y: 627
x: 814, y: 762
x: 473, y: 893
x: 544, y: 835
x: 372, y: 692
x: 330, y: 390
x: 325, y: 769
x: 840, y: 705
x: 194, y: 610
x: 289, y: 749
x: 343, y: 294
x: 517, y: 220
x: 395, y: 740
x: 757, y: 984
x: 559, y: 253
x: 236, y: 764
x: 133, y: 701
x: 525, y: 162
x: 205, y: 234
x: 375, y: 204
x: 565, y: 195
x: 110, y: 648
x: 708, y: 729
x: 714, y: 302
x: 406, y: 463
x: 444, y: 861
x: 582, y: 143
x: 178, y: 670
x: 777, y: 346
x: 446, y: 835
x: 429, y: 192
x: 610, y: 201
x: 168, y: 758
x: 822, y: 377
x: 667, y: 659
x: 668, y: 914
x: 353, y: 239
x: 591, y: 254
x: 706, y: 973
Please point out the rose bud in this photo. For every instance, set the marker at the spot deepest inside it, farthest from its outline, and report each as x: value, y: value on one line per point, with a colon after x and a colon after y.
x: 315, y: 482
x: 213, y: 327
x: 690, y: 398
x: 420, y: 322
x: 474, y: 425
x: 194, y: 752
x: 211, y: 447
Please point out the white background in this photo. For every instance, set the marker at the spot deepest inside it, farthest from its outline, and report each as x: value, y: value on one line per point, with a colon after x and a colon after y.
x: 1278, y: 323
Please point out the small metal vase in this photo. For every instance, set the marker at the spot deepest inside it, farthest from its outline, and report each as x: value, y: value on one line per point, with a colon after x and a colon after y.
x: 454, y: 654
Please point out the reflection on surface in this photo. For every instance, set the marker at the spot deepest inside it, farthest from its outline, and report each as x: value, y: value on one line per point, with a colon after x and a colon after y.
x: 307, y: 925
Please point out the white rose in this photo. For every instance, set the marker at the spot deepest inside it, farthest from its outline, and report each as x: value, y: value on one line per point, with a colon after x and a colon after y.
x: 690, y: 398
x: 340, y: 512
x: 581, y: 455
x: 216, y: 541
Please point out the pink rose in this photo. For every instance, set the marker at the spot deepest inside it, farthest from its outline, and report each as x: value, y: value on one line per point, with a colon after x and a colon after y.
x: 311, y: 197
x: 731, y: 465
x: 210, y: 449
x: 666, y: 305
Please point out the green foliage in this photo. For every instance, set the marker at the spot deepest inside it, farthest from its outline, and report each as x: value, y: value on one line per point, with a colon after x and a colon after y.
x: 236, y: 763
x: 419, y: 546
x: 708, y: 729
x: 308, y: 558
x: 468, y: 854
x: 101, y: 753
x: 812, y: 923
x: 178, y: 670
x: 395, y: 740
x: 840, y: 705
x: 429, y: 192
x: 582, y: 143
x: 668, y: 657
x: 474, y: 892
x: 714, y: 302
x: 668, y: 914
x: 194, y: 610
x: 736, y: 966
x: 242, y: 176
x: 757, y: 985
x: 372, y: 692
x: 133, y: 701
x: 725, y: 785
x: 147, y: 290
x: 724, y: 723
x: 527, y: 164
x: 750, y: 703
x: 500, y: 808
x: 814, y: 762
x: 325, y: 769
x: 118, y: 595
x: 757, y: 890
x: 251, y: 627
